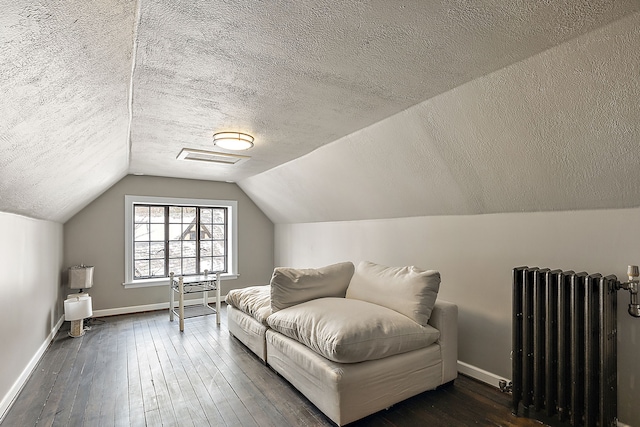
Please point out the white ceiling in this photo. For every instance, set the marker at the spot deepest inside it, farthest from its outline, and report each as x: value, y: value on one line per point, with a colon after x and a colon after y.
x: 431, y: 107
x: 557, y: 131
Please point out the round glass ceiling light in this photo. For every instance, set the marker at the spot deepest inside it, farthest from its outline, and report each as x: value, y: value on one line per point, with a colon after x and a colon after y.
x: 236, y: 141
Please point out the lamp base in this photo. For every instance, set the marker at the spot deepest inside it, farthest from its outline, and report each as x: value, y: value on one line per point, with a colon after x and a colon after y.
x: 77, y: 328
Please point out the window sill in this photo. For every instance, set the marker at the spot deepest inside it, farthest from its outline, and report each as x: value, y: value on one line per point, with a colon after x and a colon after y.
x: 146, y: 283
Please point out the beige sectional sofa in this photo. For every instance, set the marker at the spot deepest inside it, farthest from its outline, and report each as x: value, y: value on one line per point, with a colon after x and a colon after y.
x: 352, y: 340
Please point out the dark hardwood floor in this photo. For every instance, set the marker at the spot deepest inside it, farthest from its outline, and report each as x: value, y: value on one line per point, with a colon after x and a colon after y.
x: 139, y: 370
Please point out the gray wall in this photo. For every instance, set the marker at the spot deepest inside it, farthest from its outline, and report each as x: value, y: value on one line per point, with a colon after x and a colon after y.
x: 95, y: 236
x: 475, y: 255
x: 31, y: 265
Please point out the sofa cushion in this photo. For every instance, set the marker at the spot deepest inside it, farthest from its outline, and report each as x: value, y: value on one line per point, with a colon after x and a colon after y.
x: 253, y: 300
x: 350, y: 330
x: 291, y: 286
x: 407, y: 290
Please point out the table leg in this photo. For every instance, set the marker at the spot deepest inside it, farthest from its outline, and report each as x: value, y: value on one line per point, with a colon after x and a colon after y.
x: 218, y: 298
x: 181, y: 302
x: 171, y: 303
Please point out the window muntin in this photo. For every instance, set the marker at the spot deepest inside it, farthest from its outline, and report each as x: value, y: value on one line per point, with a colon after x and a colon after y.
x: 185, y: 240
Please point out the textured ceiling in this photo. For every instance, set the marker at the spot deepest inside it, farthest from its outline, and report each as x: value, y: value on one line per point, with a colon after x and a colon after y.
x: 557, y: 131
x: 300, y: 75
x: 65, y: 70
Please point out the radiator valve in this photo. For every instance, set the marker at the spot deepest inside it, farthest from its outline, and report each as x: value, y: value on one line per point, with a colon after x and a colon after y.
x: 632, y: 286
x: 505, y: 387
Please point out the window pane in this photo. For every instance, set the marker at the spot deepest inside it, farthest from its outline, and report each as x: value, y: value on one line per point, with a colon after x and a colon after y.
x: 141, y: 232
x: 175, y: 249
x: 218, y: 248
x: 205, y: 264
x: 175, y: 266
x: 157, y: 268
x: 205, y: 248
x: 175, y: 214
x: 218, y: 264
x: 156, y: 250
x: 175, y: 231
x: 157, y: 232
x: 189, y: 232
x: 219, y: 216
x: 141, y: 269
x: 141, y: 250
x: 188, y: 215
x: 188, y: 249
x: 217, y: 231
x: 206, y: 216
x: 205, y: 232
x: 189, y: 266
x: 141, y: 213
x: 157, y: 214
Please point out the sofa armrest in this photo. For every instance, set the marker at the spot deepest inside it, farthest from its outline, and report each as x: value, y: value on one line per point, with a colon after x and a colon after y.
x: 445, y: 319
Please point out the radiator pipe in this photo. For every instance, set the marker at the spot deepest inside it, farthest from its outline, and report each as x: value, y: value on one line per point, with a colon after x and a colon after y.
x: 632, y: 286
x: 634, y: 307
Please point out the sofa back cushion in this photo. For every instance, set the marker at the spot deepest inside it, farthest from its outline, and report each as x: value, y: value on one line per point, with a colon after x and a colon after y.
x: 291, y: 286
x: 350, y: 331
x: 407, y: 290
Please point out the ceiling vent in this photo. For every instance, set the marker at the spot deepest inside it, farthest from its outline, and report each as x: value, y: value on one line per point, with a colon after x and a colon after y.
x: 211, y: 156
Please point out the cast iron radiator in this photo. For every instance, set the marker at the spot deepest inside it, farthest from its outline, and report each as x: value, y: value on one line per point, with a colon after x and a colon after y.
x: 564, y: 347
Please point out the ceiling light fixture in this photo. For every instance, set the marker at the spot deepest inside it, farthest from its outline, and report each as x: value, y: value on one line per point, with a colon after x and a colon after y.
x: 236, y: 141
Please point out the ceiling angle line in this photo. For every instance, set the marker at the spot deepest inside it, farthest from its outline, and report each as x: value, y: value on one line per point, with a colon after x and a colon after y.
x: 134, y: 57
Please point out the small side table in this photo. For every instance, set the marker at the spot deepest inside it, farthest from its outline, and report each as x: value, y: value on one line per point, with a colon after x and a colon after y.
x: 202, y: 283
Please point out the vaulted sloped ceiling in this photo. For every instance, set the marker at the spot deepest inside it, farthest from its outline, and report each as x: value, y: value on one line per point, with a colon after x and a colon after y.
x: 359, y: 109
x: 557, y: 131
x: 65, y: 68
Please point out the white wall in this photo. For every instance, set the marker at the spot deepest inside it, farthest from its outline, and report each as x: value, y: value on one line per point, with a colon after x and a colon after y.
x: 30, y: 290
x: 475, y: 255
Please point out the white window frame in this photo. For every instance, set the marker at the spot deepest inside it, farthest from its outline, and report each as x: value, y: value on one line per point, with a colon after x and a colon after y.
x: 232, y: 238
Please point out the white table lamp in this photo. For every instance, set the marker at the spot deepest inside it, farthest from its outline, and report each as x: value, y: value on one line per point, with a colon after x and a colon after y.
x: 76, y: 309
x: 81, y: 277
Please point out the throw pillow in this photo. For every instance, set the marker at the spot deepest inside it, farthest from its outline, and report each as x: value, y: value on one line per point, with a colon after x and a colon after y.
x: 407, y: 290
x: 291, y: 286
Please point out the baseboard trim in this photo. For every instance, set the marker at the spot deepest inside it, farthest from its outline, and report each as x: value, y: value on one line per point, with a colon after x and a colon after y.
x: 148, y: 307
x: 491, y: 378
x: 8, y: 399
x: 480, y: 374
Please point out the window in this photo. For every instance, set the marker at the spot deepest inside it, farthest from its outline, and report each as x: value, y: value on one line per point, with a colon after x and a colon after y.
x: 183, y: 236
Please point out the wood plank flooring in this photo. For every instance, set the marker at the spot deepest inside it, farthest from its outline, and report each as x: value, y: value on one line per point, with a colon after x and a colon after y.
x: 139, y: 370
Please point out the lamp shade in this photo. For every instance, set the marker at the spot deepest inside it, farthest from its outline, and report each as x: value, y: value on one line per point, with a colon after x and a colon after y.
x: 78, y: 308
x: 80, y: 277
